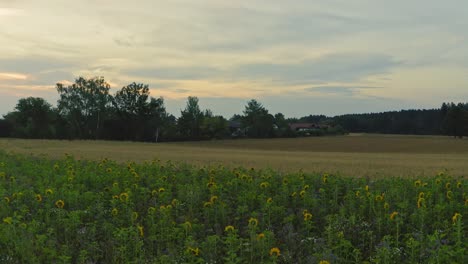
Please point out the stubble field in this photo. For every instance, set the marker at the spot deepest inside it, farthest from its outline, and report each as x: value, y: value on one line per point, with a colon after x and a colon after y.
x: 354, y: 155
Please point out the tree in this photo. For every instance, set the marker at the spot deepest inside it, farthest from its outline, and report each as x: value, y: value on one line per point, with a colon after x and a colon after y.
x: 139, y: 114
x: 191, y: 119
x: 257, y: 121
x: 33, y: 118
x: 84, y: 105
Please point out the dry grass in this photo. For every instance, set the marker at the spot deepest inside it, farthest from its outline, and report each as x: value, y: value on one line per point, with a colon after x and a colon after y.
x: 355, y: 155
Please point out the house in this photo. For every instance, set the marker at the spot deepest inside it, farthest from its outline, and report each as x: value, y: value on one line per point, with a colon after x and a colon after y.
x: 303, y: 126
x: 235, y: 127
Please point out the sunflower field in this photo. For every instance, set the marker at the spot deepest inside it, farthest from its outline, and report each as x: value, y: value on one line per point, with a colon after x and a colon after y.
x: 78, y: 211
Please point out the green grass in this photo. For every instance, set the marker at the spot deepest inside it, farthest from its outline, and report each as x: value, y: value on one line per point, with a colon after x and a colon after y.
x: 354, y: 155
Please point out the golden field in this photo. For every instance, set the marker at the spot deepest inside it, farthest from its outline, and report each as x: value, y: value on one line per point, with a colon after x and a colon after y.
x: 358, y: 155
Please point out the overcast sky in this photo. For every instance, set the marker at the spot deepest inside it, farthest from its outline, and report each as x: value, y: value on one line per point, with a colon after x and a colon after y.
x: 296, y: 57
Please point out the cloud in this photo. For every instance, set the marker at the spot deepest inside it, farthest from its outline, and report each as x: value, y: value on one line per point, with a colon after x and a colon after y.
x: 12, y: 76
x: 340, y: 90
x: 329, y: 68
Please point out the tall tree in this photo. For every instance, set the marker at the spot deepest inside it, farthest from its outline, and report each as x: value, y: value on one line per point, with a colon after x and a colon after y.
x: 33, y: 118
x: 257, y: 120
x: 84, y: 104
x: 191, y: 119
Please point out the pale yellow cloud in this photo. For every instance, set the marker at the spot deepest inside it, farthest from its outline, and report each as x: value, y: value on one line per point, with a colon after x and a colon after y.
x: 4, y: 76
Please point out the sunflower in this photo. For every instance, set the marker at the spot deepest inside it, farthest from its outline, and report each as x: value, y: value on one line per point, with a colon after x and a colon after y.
x: 358, y: 193
x: 366, y: 188
x: 302, y: 193
x: 417, y: 183
x: 421, y: 202
x: 229, y: 228
x: 60, y: 204
x: 421, y: 195
x: 194, y: 251
x: 447, y: 185
x: 386, y: 205
x: 264, y: 185
x: 8, y: 220
x: 213, y: 199
x: 459, y: 184
x: 305, y: 187
x: 275, y: 252
x: 123, y: 197
x: 393, y: 215
x: 293, y: 194
x: 449, y: 195
x: 455, y: 217
x: 207, y: 204
x: 134, y: 216
x: 161, y: 190
x: 6, y: 199
x: 38, y: 197
x: 253, y: 221
x: 269, y: 200
x: 260, y: 236
x: 324, y: 262
x: 49, y: 192
x: 115, y: 212
x: 141, y: 230
x: 307, y: 216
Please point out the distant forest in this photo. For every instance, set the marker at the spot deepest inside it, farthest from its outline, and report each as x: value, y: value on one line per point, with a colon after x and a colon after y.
x: 86, y: 110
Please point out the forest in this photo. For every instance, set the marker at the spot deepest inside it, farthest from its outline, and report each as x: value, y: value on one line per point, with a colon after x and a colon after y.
x: 87, y: 110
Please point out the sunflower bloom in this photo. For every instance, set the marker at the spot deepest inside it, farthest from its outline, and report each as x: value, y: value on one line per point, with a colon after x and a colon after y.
x: 366, y: 188
x: 38, y: 197
x: 447, y: 185
x: 421, y: 202
x: 459, y: 184
x: 123, y: 197
x: 386, y: 205
x: 8, y: 220
x: 141, y: 230
x: 275, y: 252
x: 207, y: 204
x: 269, y: 200
x: 417, y: 183
x: 455, y: 217
x: 260, y: 236
x: 324, y: 262
x: 229, y: 228
x: 358, y: 193
x: 6, y: 199
x: 393, y: 215
x: 115, y: 212
x: 60, y: 204
x: 449, y: 195
x: 134, y: 216
x: 302, y: 193
x: 253, y: 221
x: 264, y: 185
x: 194, y: 251
x: 213, y: 199
x: 49, y: 192
x: 421, y: 195
x: 307, y: 216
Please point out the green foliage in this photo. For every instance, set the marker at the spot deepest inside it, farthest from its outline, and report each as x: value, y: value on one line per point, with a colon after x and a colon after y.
x: 72, y: 211
x: 33, y: 118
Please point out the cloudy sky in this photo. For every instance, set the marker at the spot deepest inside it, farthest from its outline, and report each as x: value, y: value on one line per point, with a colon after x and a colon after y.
x: 298, y: 57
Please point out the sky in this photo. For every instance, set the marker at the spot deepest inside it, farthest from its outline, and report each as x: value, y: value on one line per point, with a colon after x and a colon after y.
x: 297, y: 57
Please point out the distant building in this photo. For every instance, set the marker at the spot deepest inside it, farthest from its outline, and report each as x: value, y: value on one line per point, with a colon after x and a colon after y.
x: 303, y: 126
x: 235, y: 127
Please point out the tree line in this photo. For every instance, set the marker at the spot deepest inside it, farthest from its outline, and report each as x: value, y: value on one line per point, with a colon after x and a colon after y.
x: 87, y: 110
